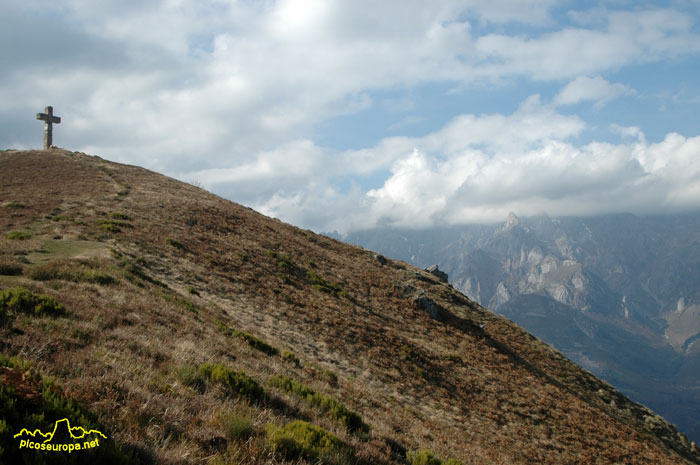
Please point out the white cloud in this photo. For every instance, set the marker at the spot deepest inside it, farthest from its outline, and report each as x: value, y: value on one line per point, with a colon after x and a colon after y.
x: 183, y: 85
x: 585, y: 88
x: 230, y: 93
x: 464, y: 173
x: 621, y: 39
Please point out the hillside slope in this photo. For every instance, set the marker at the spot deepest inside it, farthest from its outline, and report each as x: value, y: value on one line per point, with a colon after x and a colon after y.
x: 194, y: 329
x: 617, y: 294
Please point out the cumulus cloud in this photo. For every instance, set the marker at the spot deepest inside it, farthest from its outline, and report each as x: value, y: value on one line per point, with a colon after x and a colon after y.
x: 585, y: 88
x: 464, y: 174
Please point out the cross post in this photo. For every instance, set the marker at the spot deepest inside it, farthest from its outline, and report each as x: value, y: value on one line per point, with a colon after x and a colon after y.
x: 49, y: 119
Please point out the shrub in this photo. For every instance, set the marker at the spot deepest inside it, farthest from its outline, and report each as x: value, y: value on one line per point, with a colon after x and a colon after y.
x: 14, y: 205
x: 110, y: 226
x: 426, y: 457
x: 452, y: 357
x: 18, y: 235
x: 235, y: 382
x: 253, y: 341
x: 327, y: 404
x: 97, y: 278
x: 119, y: 216
x: 47, y: 405
x: 21, y: 300
x: 113, y: 226
x: 10, y: 269
x: 291, y: 358
x: 302, y: 439
x: 256, y: 343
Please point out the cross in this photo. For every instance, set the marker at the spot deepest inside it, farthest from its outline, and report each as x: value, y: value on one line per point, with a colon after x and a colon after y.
x: 48, y: 118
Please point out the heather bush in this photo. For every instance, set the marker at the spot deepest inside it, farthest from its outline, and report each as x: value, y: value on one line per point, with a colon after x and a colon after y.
x: 235, y: 382
x: 300, y: 439
x: 426, y: 457
x: 18, y: 235
x: 327, y: 404
x: 46, y: 406
x: 10, y: 269
x: 22, y: 300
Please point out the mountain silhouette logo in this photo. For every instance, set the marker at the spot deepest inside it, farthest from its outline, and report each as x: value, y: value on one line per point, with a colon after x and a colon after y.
x: 64, y: 437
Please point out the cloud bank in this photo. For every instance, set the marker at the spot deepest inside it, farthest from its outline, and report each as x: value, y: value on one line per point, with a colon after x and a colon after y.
x: 232, y: 94
x: 480, y: 168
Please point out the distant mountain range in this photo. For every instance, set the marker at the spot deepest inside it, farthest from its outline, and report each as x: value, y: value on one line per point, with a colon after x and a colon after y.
x: 617, y: 294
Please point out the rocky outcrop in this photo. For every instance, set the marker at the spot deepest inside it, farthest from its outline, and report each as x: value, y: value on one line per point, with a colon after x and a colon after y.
x: 435, y: 271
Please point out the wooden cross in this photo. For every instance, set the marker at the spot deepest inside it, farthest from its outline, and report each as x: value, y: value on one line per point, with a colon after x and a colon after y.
x: 48, y: 118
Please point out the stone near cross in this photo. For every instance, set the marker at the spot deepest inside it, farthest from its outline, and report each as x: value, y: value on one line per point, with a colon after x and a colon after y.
x: 49, y: 119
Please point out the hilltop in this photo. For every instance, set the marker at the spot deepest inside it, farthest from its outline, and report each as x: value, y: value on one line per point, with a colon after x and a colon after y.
x: 190, y: 329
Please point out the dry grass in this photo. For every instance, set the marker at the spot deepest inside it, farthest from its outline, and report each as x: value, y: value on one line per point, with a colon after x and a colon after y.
x: 491, y: 395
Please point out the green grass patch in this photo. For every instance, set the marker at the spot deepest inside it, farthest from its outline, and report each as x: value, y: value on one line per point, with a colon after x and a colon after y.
x: 119, y: 216
x: 18, y: 235
x: 14, y: 205
x: 327, y: 404
x: 191, y: 376
x: 329, y: 377
x: 300, y: 439
x: 235, y: 382
x: 21, y: 300
x: 77, y: 271
x: 236, y: 425
x: 426, y: 457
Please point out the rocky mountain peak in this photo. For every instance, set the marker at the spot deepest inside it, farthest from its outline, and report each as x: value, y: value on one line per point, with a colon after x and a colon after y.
x: 511, y: 222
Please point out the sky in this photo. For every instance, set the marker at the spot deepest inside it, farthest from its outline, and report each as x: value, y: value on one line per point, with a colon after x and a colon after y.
x: 339, y: 115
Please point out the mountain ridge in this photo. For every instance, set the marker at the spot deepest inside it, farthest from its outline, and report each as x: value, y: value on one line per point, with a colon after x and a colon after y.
x: 158, y: 276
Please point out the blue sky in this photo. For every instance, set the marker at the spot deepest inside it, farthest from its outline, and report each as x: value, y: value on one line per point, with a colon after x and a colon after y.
x: 340, y: 115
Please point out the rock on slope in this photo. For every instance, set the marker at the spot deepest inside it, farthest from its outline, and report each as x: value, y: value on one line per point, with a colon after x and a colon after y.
x: 174, y: 295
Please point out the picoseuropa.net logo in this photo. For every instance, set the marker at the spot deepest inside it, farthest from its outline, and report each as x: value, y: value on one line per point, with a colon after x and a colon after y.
x: 63, y: 438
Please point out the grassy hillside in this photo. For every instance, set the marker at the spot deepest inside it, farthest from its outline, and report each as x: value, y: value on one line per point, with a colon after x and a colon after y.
x: 194, y: 330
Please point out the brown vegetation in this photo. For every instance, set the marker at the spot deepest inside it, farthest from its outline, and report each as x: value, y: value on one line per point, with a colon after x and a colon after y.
x: 182, y: 306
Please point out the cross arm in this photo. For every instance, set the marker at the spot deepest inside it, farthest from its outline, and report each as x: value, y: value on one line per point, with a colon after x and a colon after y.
x: 48, y: 118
